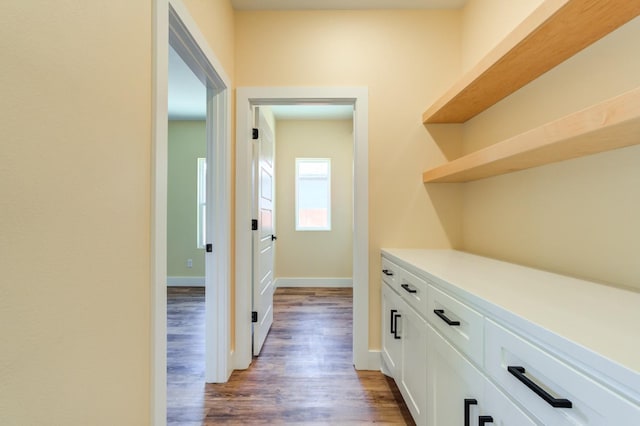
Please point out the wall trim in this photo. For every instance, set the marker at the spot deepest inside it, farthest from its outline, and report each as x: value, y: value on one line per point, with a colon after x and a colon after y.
x: 185, y: 281
x: 313, y: 282
x: 248, y: 97
x: 374, y: 362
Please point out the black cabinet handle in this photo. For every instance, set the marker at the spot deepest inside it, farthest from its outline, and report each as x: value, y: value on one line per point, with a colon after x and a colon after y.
x: 468, y: 402
x: 395, y: 325
x: 387, y: 272
x: 408, y: 289
x: 518, y: 372
x: 392, y: 325
x: 443, y: 317
x: 484, y: 419
x: 273, y: 237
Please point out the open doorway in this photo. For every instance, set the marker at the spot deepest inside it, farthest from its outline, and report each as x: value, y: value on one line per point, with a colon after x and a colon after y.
x: 175, y: 27
x: 357, y: 99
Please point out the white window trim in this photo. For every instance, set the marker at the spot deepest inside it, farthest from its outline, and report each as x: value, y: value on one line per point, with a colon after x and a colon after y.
x: 328, y: 179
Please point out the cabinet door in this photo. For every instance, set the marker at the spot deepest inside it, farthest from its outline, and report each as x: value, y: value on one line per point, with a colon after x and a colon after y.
x: 502, y: 410
x: 391, y: 340
x: 451, y: 380
x: 413, y: 376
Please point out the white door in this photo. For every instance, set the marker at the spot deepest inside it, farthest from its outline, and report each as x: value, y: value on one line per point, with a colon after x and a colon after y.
x: 263, y: 238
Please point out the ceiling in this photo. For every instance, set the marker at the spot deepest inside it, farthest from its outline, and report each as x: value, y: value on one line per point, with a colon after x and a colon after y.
x: 345, y: 4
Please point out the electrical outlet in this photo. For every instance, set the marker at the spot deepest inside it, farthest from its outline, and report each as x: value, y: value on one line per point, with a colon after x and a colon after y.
x: 189, y: 263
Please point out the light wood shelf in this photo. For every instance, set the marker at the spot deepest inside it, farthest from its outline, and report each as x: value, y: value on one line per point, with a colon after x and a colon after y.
x: 612, y: 124
x: 555, y: 31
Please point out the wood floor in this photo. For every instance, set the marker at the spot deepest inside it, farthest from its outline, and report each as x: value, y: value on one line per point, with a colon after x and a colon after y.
x: 303, y: 376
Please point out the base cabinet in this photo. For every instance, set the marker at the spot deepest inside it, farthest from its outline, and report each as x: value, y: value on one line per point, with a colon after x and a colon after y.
x: 413, y: 367
x: 404, y: 350
x: 459, y: 394
x: 391, y: 339
x: 462, y: 360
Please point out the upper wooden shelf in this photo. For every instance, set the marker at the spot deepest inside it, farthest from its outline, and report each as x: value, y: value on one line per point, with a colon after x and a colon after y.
x: 611, y: 124
x: 555, y: 31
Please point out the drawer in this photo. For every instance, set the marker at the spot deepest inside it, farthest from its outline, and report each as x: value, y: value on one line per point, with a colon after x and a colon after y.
x: 389, y: 272
x: 550, y: 382
x: 457, y: 322
x: 413, y: 290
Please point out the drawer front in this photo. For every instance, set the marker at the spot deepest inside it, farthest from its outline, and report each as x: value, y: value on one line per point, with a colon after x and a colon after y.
x: 460, y: 324
x: 413, y: 290
x: 538, y: 380
x: 389, y: 272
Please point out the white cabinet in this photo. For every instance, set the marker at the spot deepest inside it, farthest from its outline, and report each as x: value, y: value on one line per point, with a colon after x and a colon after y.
x: 463, y: 339
x: 413, y: 366
x: 391, y: 339
x: 404, y: 337
x: 459, y: 394
x: 555, y: 391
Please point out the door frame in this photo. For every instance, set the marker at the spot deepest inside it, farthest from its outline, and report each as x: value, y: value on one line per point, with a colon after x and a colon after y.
x: 246, y: 98
x: 174, y: 25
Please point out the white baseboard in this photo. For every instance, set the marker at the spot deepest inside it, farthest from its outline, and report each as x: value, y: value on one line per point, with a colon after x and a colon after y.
x: 185, y: 281
x: 374, y: 360
x: 314, y: 282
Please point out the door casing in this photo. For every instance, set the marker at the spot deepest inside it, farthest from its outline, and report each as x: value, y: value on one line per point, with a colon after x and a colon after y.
x: 246, y: 98
x: 173, y: 24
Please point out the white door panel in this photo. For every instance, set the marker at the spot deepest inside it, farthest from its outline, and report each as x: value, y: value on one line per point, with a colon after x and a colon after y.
x: 263, y: 242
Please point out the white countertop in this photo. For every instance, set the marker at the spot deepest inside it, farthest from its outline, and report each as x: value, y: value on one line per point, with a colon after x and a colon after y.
x: 604, y: 320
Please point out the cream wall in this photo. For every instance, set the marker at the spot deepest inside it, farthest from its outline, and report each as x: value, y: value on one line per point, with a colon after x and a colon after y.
x: 486, y: 22
x: 307, y: 254
x: 75, y: 207
x: 405, y: 58
x: 578, y: 217
x: 187, y: 142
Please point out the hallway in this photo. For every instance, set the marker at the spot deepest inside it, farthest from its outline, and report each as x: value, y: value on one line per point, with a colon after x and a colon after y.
x: 304, y: 374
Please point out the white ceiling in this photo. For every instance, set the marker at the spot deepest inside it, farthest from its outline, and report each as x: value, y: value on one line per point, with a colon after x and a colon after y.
x: 345, y: 4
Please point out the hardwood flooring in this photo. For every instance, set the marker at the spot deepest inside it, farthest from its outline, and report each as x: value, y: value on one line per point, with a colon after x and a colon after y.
x: 303, y: 376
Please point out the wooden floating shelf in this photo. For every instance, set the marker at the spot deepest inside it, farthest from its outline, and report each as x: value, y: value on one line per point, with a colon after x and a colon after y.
x: 554, y: 32
x: 611, y: 124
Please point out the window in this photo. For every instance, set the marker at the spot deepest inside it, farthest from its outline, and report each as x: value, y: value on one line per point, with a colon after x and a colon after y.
x: 201, y: 233
x: 313, y: 194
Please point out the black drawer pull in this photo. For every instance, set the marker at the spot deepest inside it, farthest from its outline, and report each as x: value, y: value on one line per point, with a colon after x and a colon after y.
x: 468, y: 402
x: 395, y: 325
x: 408, y: 289
x: 387, y: 272
x: 443, y: 317
x: 518, y: 372
x: 484, y: 419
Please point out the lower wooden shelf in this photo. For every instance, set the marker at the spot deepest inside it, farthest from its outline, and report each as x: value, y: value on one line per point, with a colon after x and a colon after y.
x: 612, y: 124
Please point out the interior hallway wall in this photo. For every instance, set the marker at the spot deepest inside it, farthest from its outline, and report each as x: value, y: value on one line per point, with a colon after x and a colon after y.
x: 405, y: 58
x: 314, y: 254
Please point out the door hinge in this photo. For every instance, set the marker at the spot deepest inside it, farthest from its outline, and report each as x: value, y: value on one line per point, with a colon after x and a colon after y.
x: 255, y: 134
x: 254, y: 316
x: 254, y: 224
x: 209, y: 248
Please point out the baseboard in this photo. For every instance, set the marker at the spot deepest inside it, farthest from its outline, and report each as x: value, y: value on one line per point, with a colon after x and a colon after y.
x: 185, y: 281
x: 314, y: 282
x: 374, y: 359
